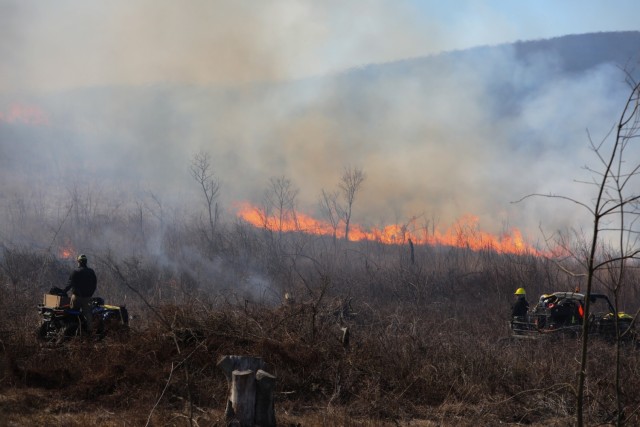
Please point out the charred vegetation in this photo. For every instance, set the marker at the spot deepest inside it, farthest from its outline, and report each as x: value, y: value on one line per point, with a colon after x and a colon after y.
x: 426, y: 337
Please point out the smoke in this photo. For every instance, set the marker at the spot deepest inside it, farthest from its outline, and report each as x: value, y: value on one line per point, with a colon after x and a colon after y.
x: 133, y: 91
x: 69, y: 44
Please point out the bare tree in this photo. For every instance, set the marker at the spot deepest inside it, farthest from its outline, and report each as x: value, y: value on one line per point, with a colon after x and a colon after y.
x: 330, y: 211
x: 618, y: 190
x: 350, y: 183
x: 158, y: 210
x: 280, y: 199
x: 202, y: 172
x: 615, y: 212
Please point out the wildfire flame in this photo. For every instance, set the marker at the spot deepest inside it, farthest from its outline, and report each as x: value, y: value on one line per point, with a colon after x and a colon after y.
x: 464, y: 233
x: 25, y: 114
x: 66, y: 251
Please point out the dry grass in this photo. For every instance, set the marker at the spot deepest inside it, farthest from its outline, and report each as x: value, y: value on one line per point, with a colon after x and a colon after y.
x: 397, y: 371
x: 428, y: 346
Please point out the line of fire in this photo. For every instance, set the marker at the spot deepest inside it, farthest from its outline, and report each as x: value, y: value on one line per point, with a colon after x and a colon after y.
x: 464, y: 233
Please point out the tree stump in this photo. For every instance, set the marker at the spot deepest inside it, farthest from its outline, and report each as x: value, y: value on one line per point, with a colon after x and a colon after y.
x: 243, y: 397
x: 250, y: 401
x: 228, y: 364
x: 265, y: 411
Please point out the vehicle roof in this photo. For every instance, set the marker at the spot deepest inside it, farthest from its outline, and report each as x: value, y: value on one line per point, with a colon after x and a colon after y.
x: 572, y: 295
x: 576, y: 295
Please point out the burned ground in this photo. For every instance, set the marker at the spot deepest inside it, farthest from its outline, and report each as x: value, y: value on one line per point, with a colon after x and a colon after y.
x: 429, y: 345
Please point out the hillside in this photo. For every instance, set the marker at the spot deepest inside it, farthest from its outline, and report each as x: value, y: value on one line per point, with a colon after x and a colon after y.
x: 502, y: 104
x: 575, y: 53
x: 109, y: 172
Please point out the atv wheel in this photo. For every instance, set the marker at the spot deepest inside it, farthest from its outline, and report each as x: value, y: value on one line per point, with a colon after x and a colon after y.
x: 43, y: 332
x: 50, y: 334
x: 71, y: 330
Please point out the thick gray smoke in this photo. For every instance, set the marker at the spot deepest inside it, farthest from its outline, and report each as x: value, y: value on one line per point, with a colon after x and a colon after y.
x: 130, y: 94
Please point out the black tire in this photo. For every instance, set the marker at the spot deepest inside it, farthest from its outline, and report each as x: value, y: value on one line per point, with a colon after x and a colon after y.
x: 43, y: 331
x: 51, y: 333
x: 71, y: 330
x: 115, y: 323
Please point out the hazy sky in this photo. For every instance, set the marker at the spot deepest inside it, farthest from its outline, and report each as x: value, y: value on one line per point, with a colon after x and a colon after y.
x: 429, y: 144
x: 468, y: 23
x: 67, y: 43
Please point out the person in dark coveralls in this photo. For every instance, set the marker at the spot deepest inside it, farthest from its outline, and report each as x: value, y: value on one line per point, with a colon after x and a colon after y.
x: 83, y: 281
x: 521, y: 306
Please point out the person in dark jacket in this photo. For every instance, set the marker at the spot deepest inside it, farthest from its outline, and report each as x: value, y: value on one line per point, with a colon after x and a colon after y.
x: 521, y: 306
x: 83, y: 282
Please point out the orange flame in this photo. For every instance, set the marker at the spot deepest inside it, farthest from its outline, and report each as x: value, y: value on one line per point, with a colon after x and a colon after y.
x: 67, y: 251
x: 465, y: 232
x: 25, y: 114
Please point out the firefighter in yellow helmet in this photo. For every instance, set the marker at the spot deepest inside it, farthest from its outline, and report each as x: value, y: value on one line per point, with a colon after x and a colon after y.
x: 520, y: 307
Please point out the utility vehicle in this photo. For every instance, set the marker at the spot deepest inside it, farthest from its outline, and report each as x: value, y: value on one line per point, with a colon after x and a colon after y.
x: 60, y: 321
x: 562, y: 313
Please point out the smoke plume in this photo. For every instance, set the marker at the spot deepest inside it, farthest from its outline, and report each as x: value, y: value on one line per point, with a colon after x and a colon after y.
x: 131, y: 92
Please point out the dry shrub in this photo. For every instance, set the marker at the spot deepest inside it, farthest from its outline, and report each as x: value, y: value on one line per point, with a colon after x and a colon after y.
x: 428, y: 348
x: 400, y: 365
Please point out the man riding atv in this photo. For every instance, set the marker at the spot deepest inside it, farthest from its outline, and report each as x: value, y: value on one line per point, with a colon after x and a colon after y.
x: 83, y: 282
x: 62, y: 318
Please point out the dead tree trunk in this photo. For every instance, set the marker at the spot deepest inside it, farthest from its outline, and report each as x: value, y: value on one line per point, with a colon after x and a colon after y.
x: 250, y: 401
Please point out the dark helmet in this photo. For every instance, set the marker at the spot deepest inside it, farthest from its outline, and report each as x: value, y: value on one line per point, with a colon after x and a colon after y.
x: 82, y: 259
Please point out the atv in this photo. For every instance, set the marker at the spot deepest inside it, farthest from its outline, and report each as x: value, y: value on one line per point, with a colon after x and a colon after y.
x: 60, y: 322
x: 562, y: 313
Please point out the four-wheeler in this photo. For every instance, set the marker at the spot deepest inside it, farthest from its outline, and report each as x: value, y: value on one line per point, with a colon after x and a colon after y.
x: 562, y: 313
x: 60, y: 321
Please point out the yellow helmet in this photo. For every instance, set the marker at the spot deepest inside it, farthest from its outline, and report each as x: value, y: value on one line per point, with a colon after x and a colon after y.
x: 520, y: 291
